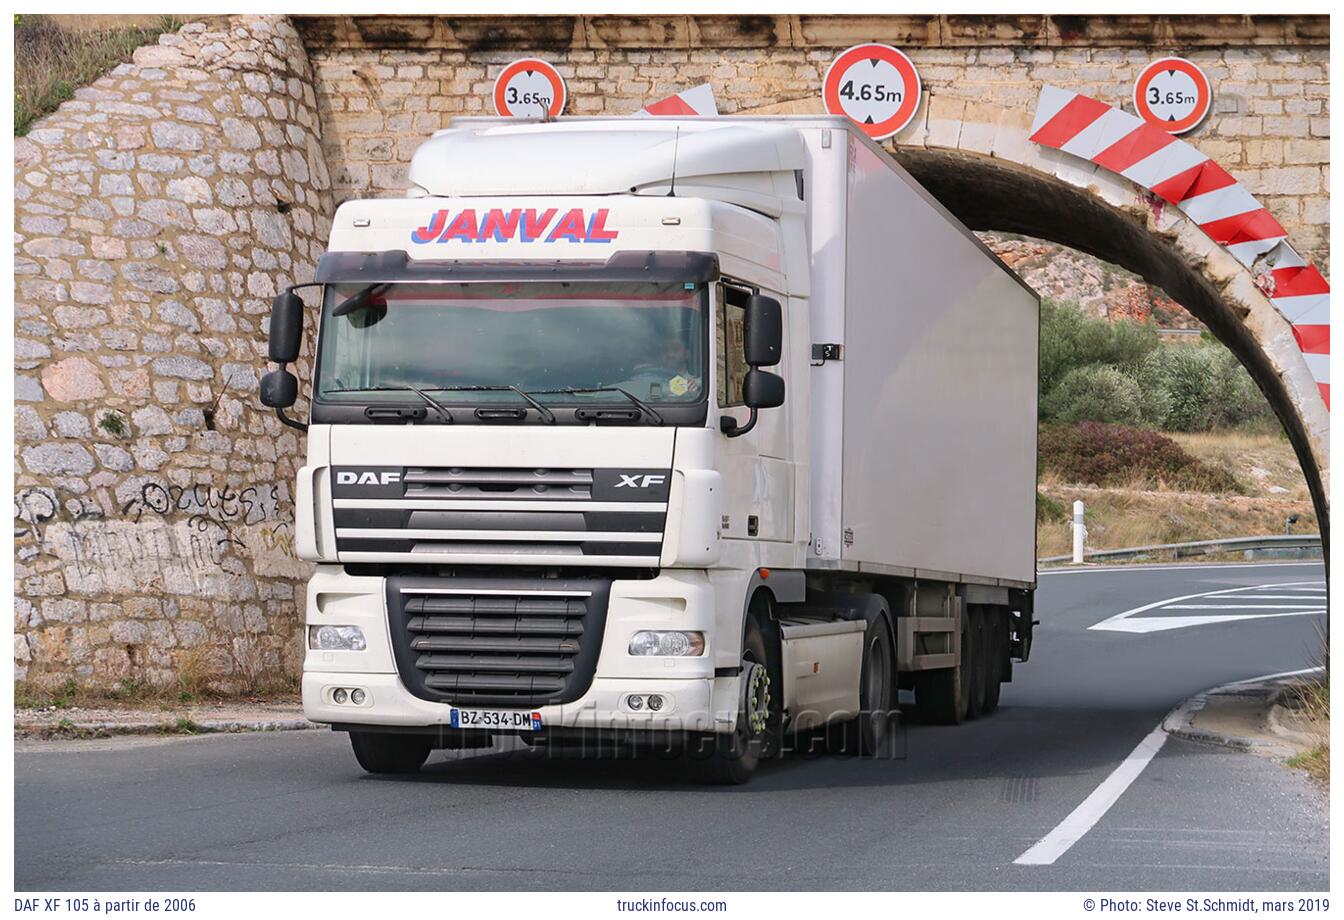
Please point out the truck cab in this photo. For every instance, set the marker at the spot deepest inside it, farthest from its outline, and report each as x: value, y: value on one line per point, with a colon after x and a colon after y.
x: 560, y: 447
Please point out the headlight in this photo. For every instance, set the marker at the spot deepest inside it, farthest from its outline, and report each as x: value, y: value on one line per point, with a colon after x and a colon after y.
x: 668, y: 643
x: 336, y: 638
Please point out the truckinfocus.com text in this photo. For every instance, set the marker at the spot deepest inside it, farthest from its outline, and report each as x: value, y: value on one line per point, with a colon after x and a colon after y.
x: 656, y: 905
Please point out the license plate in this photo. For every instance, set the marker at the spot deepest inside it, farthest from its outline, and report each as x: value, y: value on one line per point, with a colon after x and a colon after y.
x: 506, y: 719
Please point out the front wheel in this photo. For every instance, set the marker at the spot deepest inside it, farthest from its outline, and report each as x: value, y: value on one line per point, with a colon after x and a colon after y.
x: 731, y: 759
x: 382, y: 752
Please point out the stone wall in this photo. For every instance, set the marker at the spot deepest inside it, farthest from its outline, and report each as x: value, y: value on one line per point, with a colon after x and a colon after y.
x: 156, y: 214
x: 384, y: 84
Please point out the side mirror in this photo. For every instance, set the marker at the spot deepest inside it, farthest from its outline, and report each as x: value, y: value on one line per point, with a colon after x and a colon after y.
x: 286, y: 327
x: 764, y: 331
x: 762, y: 389
x: 279, y: 389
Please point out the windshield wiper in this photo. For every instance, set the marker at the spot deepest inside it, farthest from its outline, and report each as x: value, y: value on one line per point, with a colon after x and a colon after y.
x: 406, y: 388
x: 639, y: 403
x: 547, y: 415
x: 359, y: 299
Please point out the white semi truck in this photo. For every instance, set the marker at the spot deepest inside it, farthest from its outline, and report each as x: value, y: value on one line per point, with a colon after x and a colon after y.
x: 689, y: 432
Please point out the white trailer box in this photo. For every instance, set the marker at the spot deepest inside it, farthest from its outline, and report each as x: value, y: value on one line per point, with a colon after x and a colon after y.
x: 924, y: 430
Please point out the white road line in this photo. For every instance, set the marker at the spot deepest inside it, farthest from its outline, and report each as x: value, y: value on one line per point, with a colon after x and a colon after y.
x: 1083, y: 818
x: 1093, y: 808
x: 1121, y: 622
x: 1242, y: 607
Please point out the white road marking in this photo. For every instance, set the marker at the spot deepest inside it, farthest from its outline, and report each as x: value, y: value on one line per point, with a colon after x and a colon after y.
x: 1083, y: 818
x: 1093, y: 808
x: 1130, y: 622
x: 1242, y: 607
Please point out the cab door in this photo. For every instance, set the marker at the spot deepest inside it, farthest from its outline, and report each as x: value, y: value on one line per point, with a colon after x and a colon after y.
x: 758, y: 474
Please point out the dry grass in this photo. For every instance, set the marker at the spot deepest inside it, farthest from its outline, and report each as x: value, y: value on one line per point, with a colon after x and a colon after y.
x: 1263, y: 460
x: 1313, y: 701
x: 1120, y: 518
x: 1137, y: 514
x: 53, y: 57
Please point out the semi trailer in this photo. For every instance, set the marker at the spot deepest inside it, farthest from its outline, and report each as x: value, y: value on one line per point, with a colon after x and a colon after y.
x: 698, y: 434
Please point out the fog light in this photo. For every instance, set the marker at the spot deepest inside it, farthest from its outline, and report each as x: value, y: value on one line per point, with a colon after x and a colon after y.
x: 357, y: 697
x: 655, y: 702
x: 338, y: 695
x: 336, y: 638
x: 668, y: 643
x: 635, y: 702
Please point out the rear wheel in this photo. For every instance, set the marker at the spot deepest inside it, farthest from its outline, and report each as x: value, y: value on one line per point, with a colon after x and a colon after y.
x: 380, y: 752
x: 978, y: 661
x: 877, y: 691
x: 998, y: 650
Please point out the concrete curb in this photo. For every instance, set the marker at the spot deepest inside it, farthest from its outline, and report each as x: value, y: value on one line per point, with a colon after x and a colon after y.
x: 1180, y: 721
x: 72, y: 729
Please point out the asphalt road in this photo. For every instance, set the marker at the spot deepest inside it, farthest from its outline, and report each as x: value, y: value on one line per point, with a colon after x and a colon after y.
x: 293, y: 811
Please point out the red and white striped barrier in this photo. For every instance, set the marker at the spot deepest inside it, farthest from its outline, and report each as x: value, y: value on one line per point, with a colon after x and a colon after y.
x: 1207, y: 194
x: 698, y: 100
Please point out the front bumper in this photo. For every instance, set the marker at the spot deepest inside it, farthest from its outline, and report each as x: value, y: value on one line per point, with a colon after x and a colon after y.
x: 695, y: 699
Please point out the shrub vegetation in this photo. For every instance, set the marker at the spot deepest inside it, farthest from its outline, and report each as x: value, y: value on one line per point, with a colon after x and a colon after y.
x: 1123, y: 373
x: 1121, y: 455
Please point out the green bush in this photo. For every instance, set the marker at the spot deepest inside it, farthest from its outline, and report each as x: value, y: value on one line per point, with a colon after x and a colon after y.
x: 1096, y: 393
x: 1050, y: 510
x: 1239, y: 400
x: 1117, y: 455
x: 1095, y: 370
x: 1071, y: 339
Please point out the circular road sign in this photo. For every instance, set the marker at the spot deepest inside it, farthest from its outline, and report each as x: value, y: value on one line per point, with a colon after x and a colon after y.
x: 875, y: 86
x: 1172, y: 94
x: 529, y: 88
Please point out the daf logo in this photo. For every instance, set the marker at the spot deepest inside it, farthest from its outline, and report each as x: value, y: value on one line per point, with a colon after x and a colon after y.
x: 367, y: 478
x: 639, y: 482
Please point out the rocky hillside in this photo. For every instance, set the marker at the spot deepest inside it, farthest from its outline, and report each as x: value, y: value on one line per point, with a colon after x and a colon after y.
x: 1100, y: 288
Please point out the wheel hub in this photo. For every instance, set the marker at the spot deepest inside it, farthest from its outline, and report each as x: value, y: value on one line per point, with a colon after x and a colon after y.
x: 755, y: 698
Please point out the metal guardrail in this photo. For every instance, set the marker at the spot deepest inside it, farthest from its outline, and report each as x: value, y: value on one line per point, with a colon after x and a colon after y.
x: 1278, y: 546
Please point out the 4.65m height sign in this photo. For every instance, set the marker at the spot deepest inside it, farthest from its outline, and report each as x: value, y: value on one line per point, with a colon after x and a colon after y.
x: 875, y: 86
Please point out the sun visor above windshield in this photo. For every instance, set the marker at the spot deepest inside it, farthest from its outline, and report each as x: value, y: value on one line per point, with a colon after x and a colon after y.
x: 396, y: 265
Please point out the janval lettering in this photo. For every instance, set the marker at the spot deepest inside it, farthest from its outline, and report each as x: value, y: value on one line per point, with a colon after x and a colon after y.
x: 523, y: 225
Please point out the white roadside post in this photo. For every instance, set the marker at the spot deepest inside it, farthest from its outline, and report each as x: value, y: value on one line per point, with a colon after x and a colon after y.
x: 1079, y: 531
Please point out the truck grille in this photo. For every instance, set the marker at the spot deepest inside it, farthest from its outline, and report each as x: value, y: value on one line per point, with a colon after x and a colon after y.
x: 500, y: 515
x: 497, y: 642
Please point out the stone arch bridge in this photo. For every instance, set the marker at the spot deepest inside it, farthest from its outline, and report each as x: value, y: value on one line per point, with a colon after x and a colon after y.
x: 158, y: 211
x: 383, y: 83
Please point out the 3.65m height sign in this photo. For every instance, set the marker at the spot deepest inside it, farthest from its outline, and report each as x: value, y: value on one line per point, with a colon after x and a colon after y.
x: 529, y: 88
x: 875, y: 86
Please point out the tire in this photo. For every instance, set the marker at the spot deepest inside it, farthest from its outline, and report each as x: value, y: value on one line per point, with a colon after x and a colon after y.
x: 732, y: 759
x: 877, y: 691
x: 979, y: 662
x: 380, y: 752
x: 998, y: 651
x: 942, y: 697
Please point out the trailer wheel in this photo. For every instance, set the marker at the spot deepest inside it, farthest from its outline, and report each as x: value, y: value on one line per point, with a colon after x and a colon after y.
x: 731, y: 759
x: 380, y: 752
x: 943, y: 697
x: 978, y: 661
x: 997, y: 651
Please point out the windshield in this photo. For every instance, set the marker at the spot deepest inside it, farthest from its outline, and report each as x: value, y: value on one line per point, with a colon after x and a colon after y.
x: 451, y: 339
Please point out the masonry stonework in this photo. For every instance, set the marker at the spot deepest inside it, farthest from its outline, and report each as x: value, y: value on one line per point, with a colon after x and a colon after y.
x: 159, y: 211
x: 383, y: 86
x: 156, y: 215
